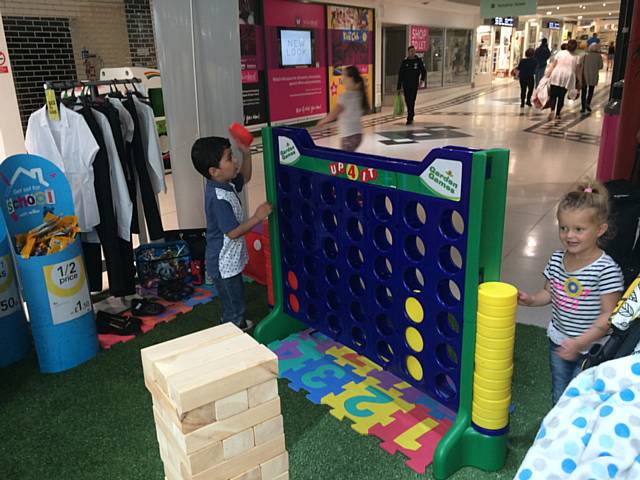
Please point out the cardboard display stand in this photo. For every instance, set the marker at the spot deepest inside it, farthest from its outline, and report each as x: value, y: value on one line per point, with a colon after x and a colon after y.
x: 54, y: 286
x: 15, y: 342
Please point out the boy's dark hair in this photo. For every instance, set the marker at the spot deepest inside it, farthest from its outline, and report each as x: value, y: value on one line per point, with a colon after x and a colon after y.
x: 529, y: 53
x: 207, y: 152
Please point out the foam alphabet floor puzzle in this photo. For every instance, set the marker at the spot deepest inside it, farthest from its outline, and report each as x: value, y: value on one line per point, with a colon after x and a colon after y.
x: 377, y: 402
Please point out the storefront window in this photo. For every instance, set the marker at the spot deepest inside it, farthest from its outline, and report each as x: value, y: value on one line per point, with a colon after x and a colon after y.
x: 458, y: 57
x: 434, y: 57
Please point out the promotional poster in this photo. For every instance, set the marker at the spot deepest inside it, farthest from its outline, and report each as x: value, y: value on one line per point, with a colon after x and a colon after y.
x: 296, y: 60
x: 252, y: 61
x: 351, y: 42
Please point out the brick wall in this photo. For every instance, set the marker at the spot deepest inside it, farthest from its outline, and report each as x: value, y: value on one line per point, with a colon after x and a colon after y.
x: 140, y: 29
x: 40, y: 49
x: 97, y: 25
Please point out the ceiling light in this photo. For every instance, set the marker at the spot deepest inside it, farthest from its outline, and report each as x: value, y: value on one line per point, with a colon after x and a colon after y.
x: 604, y: 4
x: 579, y: 17
x: 609, y: 13
x: 549, y: 12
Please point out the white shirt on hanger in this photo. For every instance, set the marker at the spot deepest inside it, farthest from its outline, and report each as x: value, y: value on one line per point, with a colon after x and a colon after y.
x: 151, y: 143
x: 122, y: 203
x: 69, y: 144
x: 126, y: 122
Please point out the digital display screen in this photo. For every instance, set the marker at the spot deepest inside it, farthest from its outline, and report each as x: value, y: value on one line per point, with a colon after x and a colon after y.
x: 503, y: 21
x: 295, y: 47
x: 554, y: 25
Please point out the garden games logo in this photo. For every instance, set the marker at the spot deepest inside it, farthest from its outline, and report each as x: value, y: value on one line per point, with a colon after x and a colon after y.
x: 444, y: 177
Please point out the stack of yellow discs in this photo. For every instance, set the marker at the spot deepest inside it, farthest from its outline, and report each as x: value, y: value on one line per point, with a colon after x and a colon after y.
x: 497, y: 304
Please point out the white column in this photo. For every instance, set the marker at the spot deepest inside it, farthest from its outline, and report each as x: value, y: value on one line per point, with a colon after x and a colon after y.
x: 11, y: 136
x: 199, y: 56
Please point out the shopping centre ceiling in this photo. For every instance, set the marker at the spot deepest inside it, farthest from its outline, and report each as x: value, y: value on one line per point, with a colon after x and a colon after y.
x: 570, y: 9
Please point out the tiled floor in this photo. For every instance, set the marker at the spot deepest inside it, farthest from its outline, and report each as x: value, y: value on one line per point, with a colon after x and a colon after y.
x: 546, y: 159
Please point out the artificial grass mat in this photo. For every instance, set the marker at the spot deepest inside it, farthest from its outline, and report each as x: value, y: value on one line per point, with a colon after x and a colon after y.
x: 95, y: 421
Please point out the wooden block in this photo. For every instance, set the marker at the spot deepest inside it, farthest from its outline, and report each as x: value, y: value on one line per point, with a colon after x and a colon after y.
x: 250, y: 459
x: 197, y: 418
x: 284, y: 476
x: 275, y: 467
x: 268, y: 430
x: 218, y: 431
x: 175, y: 365
x: 263, y: 393
x: 238, y: 444
x: 221, y: 378
x: 183, y: 344
x: 253, y: 474
x: 232, y: 405
x: 195, y: 462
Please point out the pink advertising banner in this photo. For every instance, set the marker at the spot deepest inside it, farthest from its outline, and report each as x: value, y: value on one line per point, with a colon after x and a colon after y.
x: 419, y: 37
x: 296, y: 59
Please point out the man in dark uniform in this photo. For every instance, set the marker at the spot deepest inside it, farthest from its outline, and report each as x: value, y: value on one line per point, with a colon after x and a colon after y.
x: 411, y: 73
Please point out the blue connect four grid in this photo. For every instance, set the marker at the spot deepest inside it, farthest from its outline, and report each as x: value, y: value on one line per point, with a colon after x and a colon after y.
x: 359, y: 251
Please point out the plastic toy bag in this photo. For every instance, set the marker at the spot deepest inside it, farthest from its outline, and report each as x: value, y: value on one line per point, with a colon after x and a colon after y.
x: 163, y: 262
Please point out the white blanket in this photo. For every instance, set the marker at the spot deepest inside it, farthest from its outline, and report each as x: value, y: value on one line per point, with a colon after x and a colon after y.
x: 594, y: 430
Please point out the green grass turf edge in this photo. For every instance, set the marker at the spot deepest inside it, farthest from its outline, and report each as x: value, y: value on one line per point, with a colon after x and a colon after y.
x: 95, y: 421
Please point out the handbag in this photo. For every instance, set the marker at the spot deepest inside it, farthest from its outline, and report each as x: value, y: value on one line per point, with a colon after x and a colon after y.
x: 398, y: 105
x: 163, y: 262
x: 196, y: 238
x: 574, y: 94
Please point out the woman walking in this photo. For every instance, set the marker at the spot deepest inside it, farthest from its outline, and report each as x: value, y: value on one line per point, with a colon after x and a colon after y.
x: 562, y: 77
x: 590, y: 66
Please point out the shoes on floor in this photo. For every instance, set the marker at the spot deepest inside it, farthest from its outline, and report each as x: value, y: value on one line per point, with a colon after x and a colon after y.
x: 558, y: 117
x: 529, y: 104
x: 589, y: 109
x: 145, y: 308
x: 409, y: 122
x: 522, y: 105
x: 248, y: 325
x: 583, y: 110
x: 551, y: 116
x: 108, y: 323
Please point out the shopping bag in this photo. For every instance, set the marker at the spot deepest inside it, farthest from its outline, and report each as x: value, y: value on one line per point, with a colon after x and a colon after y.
x: 398, y: 105
x: 541, y: 94
x: 574, y: 94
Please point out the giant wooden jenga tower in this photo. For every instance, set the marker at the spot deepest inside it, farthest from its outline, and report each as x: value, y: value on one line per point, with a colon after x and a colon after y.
x: 216, y: 406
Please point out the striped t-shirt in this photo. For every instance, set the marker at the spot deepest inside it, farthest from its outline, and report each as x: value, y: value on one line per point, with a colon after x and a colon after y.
x: 575, y: 296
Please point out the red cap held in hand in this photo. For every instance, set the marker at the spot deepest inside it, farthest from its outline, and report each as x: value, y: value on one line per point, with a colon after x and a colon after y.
x: 240, y: 134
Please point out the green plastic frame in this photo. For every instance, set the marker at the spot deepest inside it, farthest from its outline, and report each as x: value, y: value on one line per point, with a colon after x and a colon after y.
x: 462, y: 445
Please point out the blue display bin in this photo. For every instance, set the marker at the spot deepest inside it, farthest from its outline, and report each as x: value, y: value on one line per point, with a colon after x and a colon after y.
x: 15, y: 341
x: 54, y: 286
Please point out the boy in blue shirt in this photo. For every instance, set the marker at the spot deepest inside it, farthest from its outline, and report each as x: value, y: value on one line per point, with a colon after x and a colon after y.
x: 226, y: 254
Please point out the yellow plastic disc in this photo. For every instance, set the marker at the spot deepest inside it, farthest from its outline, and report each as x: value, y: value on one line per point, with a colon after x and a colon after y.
x: 496, y: 322
x: 414, y: 309
x: 492, y: 405
x: 499, y: 364
x: 414, y: 367
x: 480, y: 393
x: 493, y: 311
x: 491, y: 384
x: 495, y: 354
x: 489, y: 413
x: 495, y: 343
x: 487, y: 423
x: 492, y: 373
x: 414, y: 339
x: 497, y: 333
x: 499, y: 294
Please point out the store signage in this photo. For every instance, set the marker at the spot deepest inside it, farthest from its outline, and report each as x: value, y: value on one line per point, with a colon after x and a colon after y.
x: 554, y: 25
x: 419, y: 38
x: 503, y: 21
x: 4, y: 68
x: 507, y: 8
